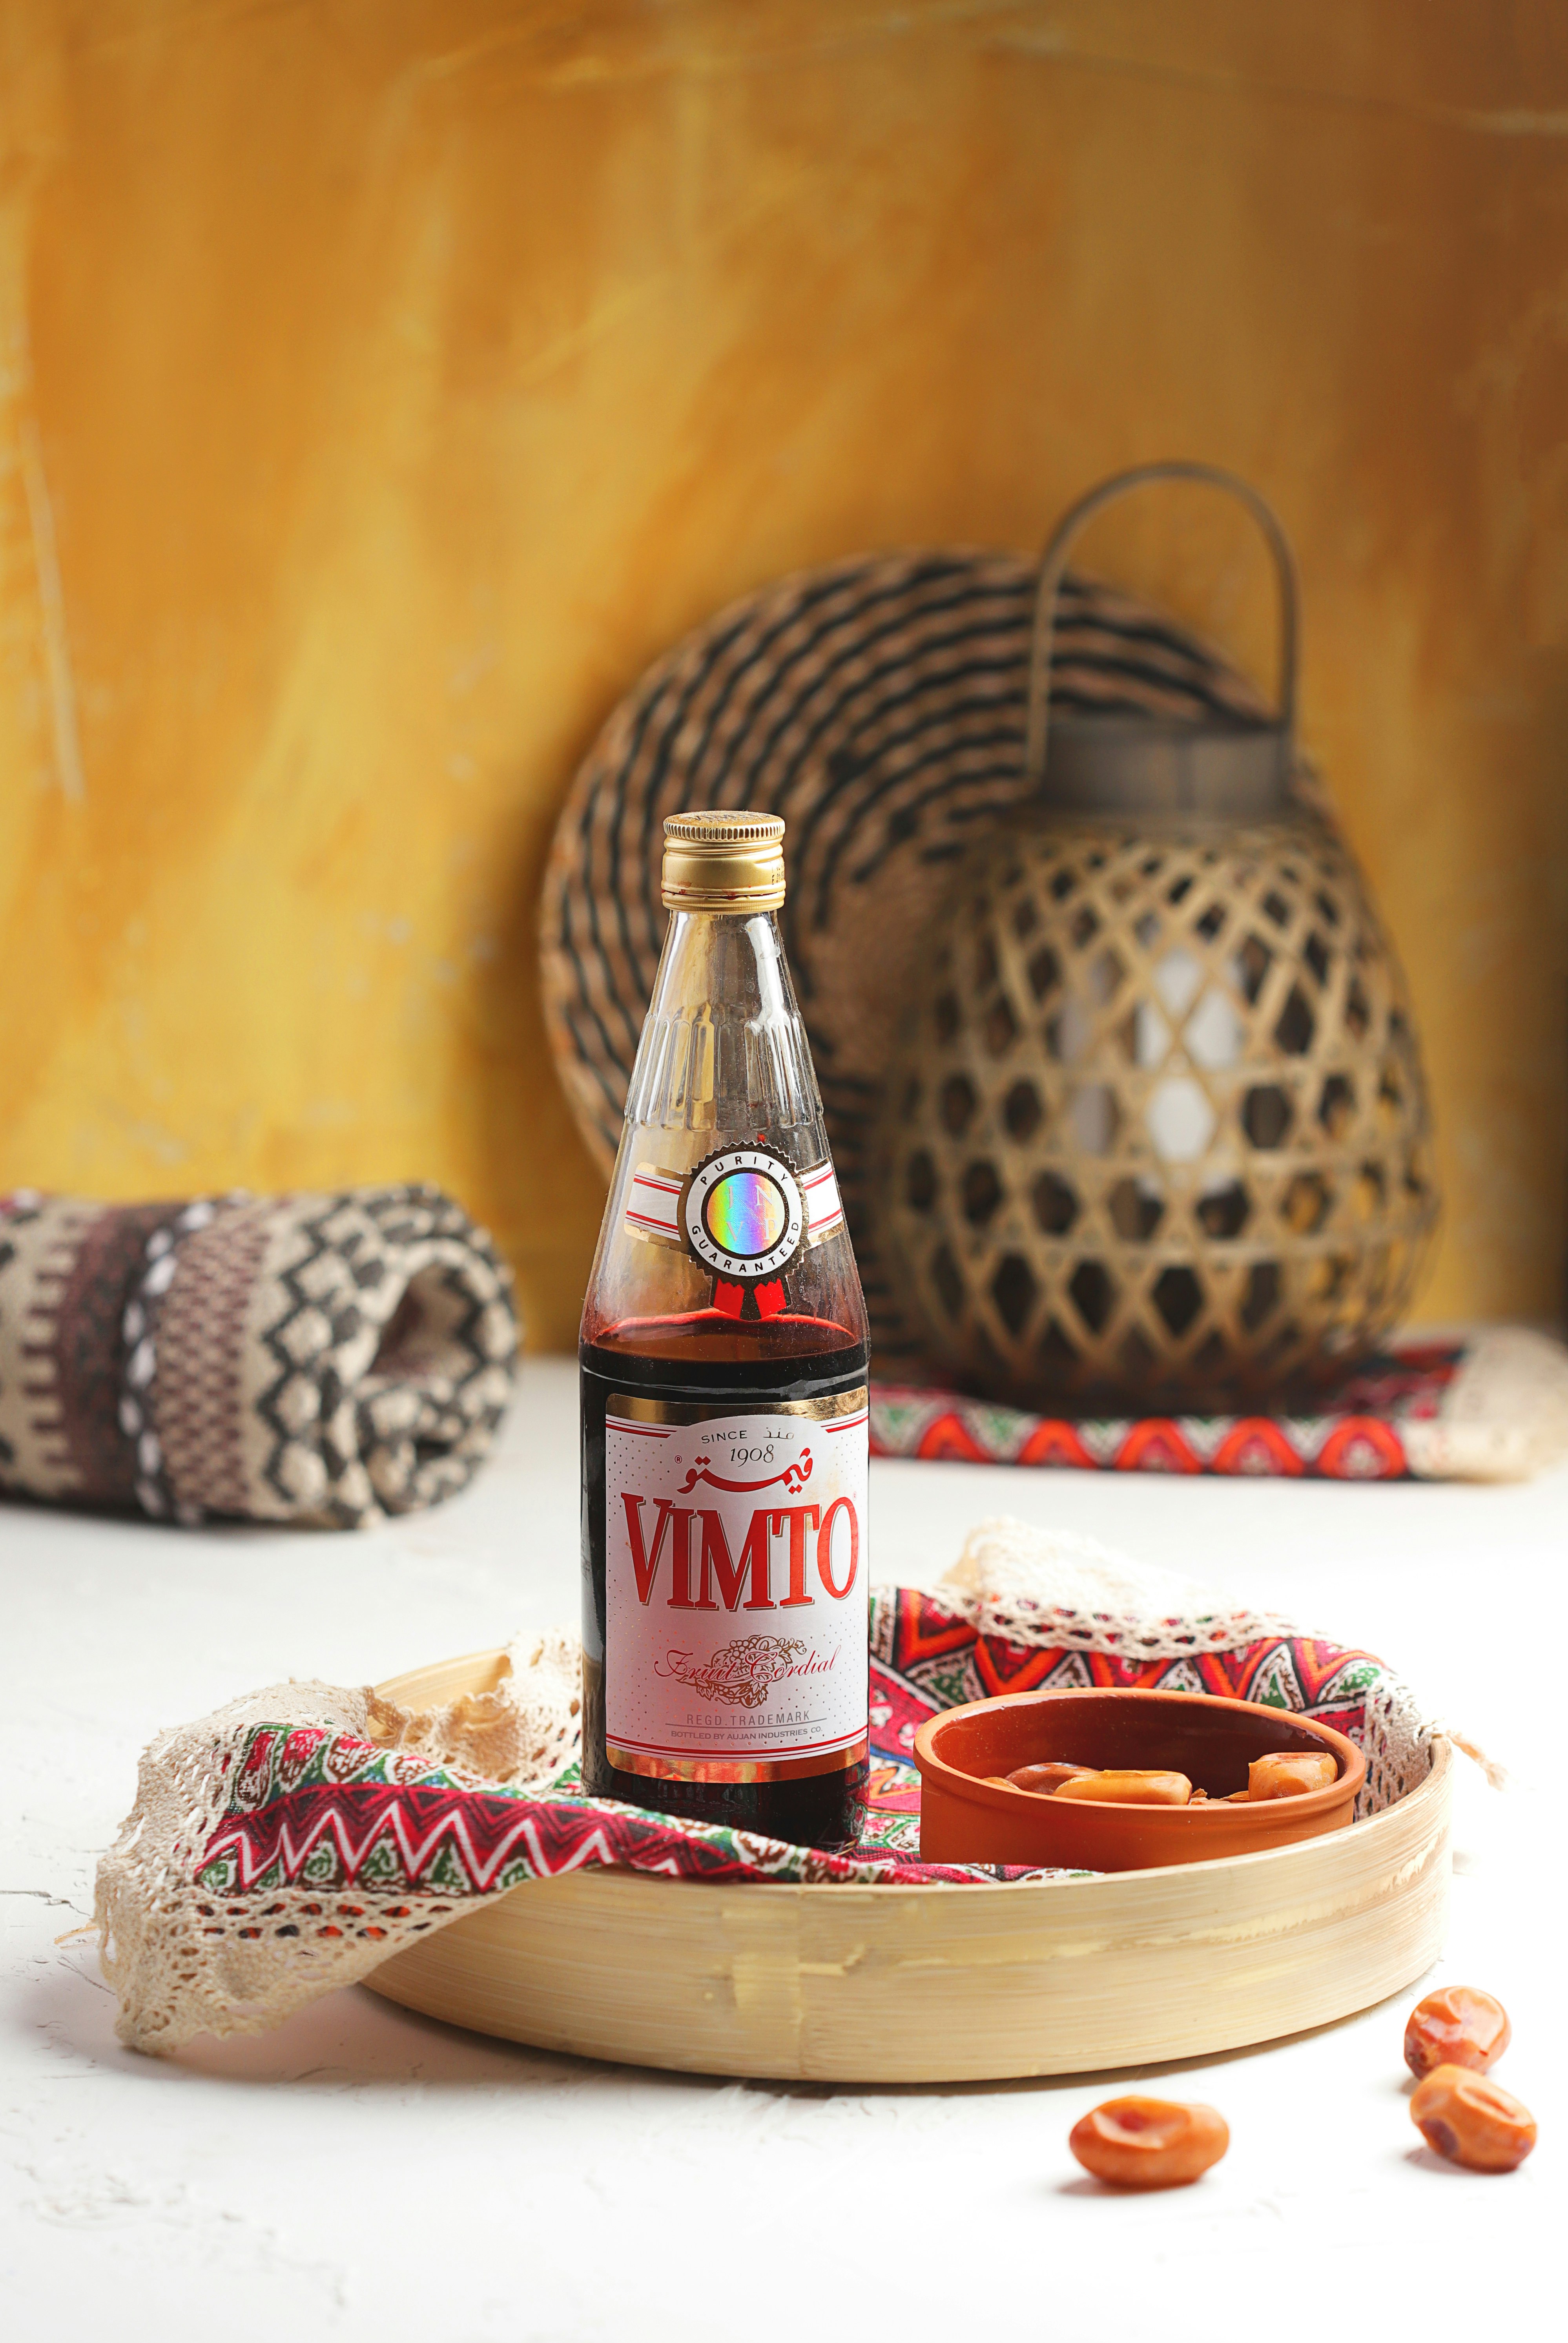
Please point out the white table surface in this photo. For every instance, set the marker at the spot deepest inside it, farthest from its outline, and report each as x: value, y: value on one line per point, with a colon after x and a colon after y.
x: 364, y: 2173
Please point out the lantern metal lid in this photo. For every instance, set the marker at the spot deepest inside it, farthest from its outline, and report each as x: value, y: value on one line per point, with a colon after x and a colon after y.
x: 1223, y: 765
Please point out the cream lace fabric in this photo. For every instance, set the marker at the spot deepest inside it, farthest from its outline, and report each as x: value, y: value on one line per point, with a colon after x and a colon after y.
x: 1504, y: 1416
x: 520, y: 1734
x: 184, y: 1961
x: 187, y: 1956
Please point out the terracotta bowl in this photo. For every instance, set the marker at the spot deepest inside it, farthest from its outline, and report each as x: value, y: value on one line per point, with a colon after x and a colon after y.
x: 963, y: 1819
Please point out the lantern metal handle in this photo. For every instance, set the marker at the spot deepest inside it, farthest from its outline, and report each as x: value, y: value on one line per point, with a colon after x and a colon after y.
x: 1053, y: 564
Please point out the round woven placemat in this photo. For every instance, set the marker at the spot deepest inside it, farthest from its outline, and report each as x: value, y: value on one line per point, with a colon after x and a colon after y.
x: 877, y: 704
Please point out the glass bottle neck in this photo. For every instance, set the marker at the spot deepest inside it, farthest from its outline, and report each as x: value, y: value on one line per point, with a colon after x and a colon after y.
x: 723, y: 1062
x: 723, y: 1047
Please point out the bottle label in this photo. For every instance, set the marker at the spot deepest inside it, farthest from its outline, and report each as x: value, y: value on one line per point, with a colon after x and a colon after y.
x: 735, y: 1584
x: 653, y: 1199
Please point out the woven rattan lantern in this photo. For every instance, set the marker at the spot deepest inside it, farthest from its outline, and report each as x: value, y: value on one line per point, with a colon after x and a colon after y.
x: 1157, y: 1131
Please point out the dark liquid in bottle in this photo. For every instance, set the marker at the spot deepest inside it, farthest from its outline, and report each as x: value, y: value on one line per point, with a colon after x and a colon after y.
x: 704, y: 1357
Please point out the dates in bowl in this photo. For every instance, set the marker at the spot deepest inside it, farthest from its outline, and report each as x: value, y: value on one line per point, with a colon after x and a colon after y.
x: 1220, y: 1797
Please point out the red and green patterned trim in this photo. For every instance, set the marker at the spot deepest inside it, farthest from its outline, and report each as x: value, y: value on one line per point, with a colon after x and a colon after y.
x: 317, y: 1817
x: 1358, y: 1439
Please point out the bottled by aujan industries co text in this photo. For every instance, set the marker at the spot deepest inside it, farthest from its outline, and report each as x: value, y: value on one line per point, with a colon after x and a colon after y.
x: 724, y: 1393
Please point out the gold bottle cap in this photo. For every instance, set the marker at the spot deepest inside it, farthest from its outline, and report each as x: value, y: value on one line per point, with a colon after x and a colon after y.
x: 723, y: 861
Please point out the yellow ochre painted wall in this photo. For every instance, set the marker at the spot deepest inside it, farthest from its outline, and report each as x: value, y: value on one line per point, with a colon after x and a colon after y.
x: 383, y: 383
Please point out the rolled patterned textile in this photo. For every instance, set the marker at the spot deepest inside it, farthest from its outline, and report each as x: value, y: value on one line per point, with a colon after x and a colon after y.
x: 318, y: 1359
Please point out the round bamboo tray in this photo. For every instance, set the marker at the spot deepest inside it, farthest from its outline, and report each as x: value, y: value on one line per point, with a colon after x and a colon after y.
x: 932, y: 1984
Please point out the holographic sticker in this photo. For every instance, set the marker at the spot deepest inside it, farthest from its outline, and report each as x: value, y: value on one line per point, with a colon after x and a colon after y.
x: 746, y: 1213
x: 744, y: 1216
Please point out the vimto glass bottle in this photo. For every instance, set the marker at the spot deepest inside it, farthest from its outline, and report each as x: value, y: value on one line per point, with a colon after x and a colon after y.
x: 724, y: 1393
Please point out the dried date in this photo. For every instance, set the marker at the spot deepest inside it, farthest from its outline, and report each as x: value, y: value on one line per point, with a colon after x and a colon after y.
x: 1457, y: 2026
x: 1290, y: 1774
x: 1471, y: 2120
x: 1139, y: 2143
x: 1043, y: 1779
x: 1131, y: 1786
